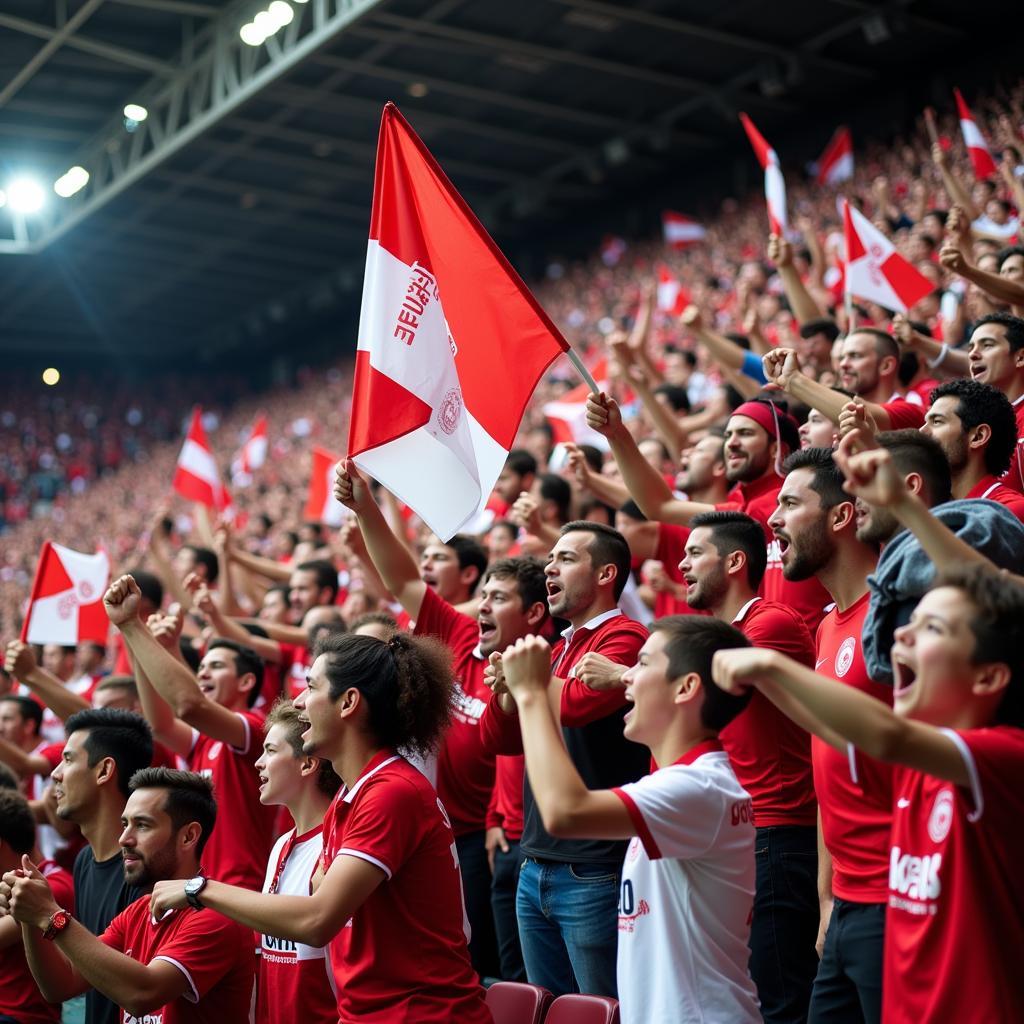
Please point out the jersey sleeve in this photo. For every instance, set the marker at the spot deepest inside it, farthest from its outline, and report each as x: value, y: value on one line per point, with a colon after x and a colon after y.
x: 113, y: 935
x: 671, y: 547
x: 904, y: 414
x: 582, y: 705
x: 438, y: 618
x: 780, y: 629
x: 204, y: 949
x: 995, y: 764
x: 253, y: 723
x: 499, y: 733
x: 753, y: 367
x: 676, y: 813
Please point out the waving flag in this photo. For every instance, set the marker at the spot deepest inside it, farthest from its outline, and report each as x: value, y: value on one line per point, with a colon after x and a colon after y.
x: 451, y: 342
x: 196, y: 477
x: 251, y: 455
x: 836, y: 163
x: 680, y: 231
x: 321, y: 506
x: 875, y: 270
x: 981, y: 159
x: 774, y: 185
x: 66, y: 605
x: 673, y: 298
x: 568, y: 415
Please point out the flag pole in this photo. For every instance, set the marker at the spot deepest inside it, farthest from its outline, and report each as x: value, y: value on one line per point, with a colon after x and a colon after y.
x: 582, y: 370
x: 847, y: 294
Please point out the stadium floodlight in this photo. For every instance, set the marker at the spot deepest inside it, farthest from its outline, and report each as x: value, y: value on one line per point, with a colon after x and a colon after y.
x: 71, y: 181
x: 251, y: 35
x: 264, y: 21
x: 51, y: 376
x: 25, y: 195
x: 281, y: 12
x: 135, y: 112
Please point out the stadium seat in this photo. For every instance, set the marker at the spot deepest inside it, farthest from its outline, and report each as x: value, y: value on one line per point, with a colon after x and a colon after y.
x: 512, y: 1002
x: 581, y: 1009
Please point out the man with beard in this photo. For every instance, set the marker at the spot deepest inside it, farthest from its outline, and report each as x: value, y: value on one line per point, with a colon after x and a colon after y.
x: 975, y: 425
x: 190, y: 966
x: 771, y: 756
x: 512, y: 605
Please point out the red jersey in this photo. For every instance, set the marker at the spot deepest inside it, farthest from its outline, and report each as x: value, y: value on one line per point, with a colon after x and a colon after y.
x: 403, y: 955
x: 903, y: 414
x: 1014, y: 476
x: 295, y: 662
x: 670, y: 551
x: 238, y: 848
x: 20, y: 998
x: 465, y: 770
x: 770, y: 753
x: 854, y: 791
x: 954, y: 926
x: 505, y: 810
x: 996, y: 490
x: 215, y: 954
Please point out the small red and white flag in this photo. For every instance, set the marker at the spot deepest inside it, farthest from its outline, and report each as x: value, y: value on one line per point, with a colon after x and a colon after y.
x: 613, y: 248
x: 66, y: 603
x: 673, y: 298
x: 836, y: 164
x: 197, y: 477
x: 568, y: 415
x: 681, y: 231
x: 251, y: 455
x: 875, y: 270
x: 981, y: 158
x: 774, y: 185
x: 451, y: 342
x: 321, y: 505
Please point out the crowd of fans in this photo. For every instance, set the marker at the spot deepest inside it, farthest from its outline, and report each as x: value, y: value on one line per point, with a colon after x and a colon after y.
x: 717, y: 767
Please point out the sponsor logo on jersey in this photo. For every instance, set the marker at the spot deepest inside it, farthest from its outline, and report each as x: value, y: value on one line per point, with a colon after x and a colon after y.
x: 844, y: 656
x: 465, y: 708
x: 742, y: 812
x: 914, y: 883
x: 941, y: 818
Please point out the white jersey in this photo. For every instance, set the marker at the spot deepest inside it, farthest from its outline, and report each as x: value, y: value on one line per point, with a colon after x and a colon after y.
x: 687, y: 895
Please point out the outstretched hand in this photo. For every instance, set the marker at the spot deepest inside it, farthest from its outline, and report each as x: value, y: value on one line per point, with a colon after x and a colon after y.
x: 122, y: 600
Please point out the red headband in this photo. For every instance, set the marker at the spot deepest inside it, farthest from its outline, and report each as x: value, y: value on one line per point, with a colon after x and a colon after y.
x: 761, y: 414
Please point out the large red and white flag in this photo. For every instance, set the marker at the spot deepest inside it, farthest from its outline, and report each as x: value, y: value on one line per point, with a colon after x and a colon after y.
x: 66, y: 603
x: 774, y: 185
x: 681, y: 231
x: 197, y: 477
x: 321, y: 505
x: 568, y: 415
x: 451, y: 342
x: 673, y: 298
x: 875, y: 270
x: 251, y: 455
x: 981, y: 158
x: 836, y: 164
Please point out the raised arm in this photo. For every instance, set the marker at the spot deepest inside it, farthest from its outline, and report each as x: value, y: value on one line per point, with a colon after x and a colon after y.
x: 950, y: 361
x: 227, y: 627
x: 20, y: 662
x: 611, y: 492
x: 956, y: 189
x: 999, y: 288
x: 780, y: 252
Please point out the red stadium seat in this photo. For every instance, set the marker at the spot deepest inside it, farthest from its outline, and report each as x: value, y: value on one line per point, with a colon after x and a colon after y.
x: 580, y: 1009
x: 511, y: 1002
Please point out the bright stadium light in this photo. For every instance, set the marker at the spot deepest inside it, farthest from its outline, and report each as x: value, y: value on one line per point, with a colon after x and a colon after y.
x: 51, y: 376
x: 264, y: 21
x: 3, y: 198
x: 251, y: 35
x: 281, y: 12
x: 71, y: 181
x: 135, y: 112
x: 25, y: 195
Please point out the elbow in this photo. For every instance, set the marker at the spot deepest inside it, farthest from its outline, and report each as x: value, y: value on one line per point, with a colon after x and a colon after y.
x: 318, y: 931
x: 560, y: 821
x: 186, y: 707
x: 140, y: 1004
x: 888, y: 741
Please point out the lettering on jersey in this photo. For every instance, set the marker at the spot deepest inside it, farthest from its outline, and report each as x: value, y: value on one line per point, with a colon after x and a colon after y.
x: 742, y: 812
x: 146, y: 1018
x: 280, y: 945
x: 844, y: 656
x: 215, y: 751
x: 630, y: 911
x: 466, y: 709
x: 914, y: 883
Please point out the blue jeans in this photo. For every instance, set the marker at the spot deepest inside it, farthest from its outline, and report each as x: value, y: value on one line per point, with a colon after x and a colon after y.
x: 569, y: 925
x: 503, y: 906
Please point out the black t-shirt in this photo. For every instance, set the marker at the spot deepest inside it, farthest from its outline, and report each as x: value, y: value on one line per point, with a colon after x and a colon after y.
x: 100, y: 895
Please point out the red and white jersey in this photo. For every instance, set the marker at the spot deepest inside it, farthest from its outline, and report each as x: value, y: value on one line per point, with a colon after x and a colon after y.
x: 294, y: 981
x: 687, y: 895
x: 20, y: 998
x: 996, y: 490
x: 214, y: 953
x: 854, y: 791
x: 904, y: 414
x: 403, y: 955
x: 294, y: 668
x: 1014, y: 476
x: 954, y: 928
x: 237, y: 850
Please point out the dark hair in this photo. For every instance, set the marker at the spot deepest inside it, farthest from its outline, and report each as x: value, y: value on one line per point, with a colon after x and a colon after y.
x: 885, y: 344
x: 407, y: 683
x: 999, y: 602
x: 17, y: 825
x: 285, y: 714
x: 521, y: 462
x: 246, y: 661
x: 29, y: 710
x: 789, y: 432
x: 632, y: 510
x: 979, y: 403
x: 1014, y: 327
x: 189, y: 654
x: 380, y: 618
x: 204, y: 557
x: 691, y: 644
x: 126, y: 683
x: 736, y: 531
x: 531, y: 583
x: 914, y: 452
x: 827, y: 480
x: 123, y: 736
x: 1011, y: 250
x: 471, y: 555
x: 675, y: 395
x: 326, y: 575
x: 608, y: 547
x: 593, y: 455
x: 279, y: 588
x: 149, y: 586
x: 8, y: 780
x: 555, y: 488
x: 820, y: 325
x: 189, y: 798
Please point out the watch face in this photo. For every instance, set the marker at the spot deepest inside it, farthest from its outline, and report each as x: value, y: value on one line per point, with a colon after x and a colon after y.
x: 194, y: 886
x: 59, y: 920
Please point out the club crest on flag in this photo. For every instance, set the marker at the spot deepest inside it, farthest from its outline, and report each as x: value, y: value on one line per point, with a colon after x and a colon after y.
x: 66, y: 603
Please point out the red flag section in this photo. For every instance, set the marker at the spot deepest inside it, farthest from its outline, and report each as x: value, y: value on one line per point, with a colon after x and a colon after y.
x: 774, y: 185
x: 66, y: 603
x: 321, y: 506
x: 451, y: 342
x: 981, y: 158
x: 673, y: 298
x: 251, y: 455
x: 568, y: 415
x: 197, y: 477
x: 681, y: 231
x: 836, y: 163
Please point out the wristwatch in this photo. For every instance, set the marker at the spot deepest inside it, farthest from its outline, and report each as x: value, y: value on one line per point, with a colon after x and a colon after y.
x: 193, y: 887
x: 59, y: 920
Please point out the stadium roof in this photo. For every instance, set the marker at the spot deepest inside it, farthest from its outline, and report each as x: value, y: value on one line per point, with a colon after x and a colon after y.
x: 241, y: 202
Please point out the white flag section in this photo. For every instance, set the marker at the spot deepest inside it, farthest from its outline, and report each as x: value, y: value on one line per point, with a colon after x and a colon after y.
x: 66, y: 606
x: 680, y: 230
x: 568, y: 414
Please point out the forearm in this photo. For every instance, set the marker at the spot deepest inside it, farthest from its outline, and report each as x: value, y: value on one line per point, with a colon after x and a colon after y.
x: 830, y: 403
x: 999, y: 288
x: 665, y: 423
x: 722, y: 350
x: 611, y: 492
x: 277, y: 571
x: 53, y: 972
x: 800, y: 301
x: 163, y: 568
x: 160, y: 715
x: 171, y: 679
x: 224, y: 598
x: 746, y: 386
x: 298, y: 918
x: 20, y: 762
x: 54, y: 694
x: 954, y: 362
x: 824, y: 868
x: 231, y: 629
x: 957, y: 192
x: 392, y: 560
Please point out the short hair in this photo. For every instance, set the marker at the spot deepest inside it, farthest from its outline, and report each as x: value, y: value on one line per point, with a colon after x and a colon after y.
x: 521, y: 462
x: 827, y: 480
x: 246, y: 661
x: 189, y: 798
x: 736, y: 531
x: 820, y: 325
x: 631, y: 509
x: 280, y: 589
x: 999, y: 602
x: 149, y: 586
x: 17, y: 824
x: 285, y: 714
x: 979, y: 403
x: 29, y: 710
x: 914, y: 452
x: 1014, y: 327
x: 471, y: 554
x: 8, y: 780
x: 373, y: 618
x: 608, y: 546
x: 593, y: 455
x: 206, y: 558
x: 885, y: 344
x: 676, y: 396
x: 531, y: 582
x: 126, y: 683
x: 121, y: 735
x: 1011, y: 250
x: 326, y: 575
x: 691, y: 643
x: 555, y: 488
